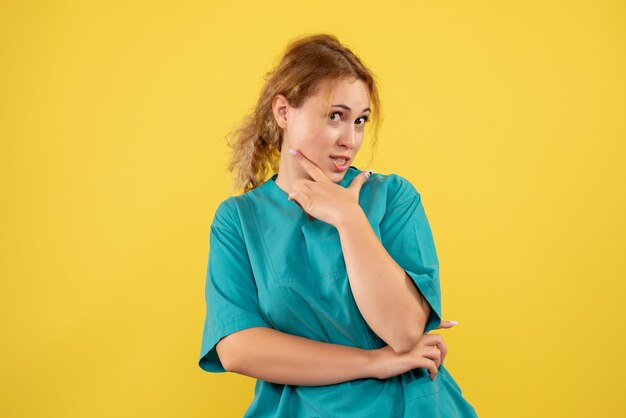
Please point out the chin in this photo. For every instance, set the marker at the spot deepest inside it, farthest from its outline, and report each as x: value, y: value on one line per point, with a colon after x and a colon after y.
x: 337, y: 177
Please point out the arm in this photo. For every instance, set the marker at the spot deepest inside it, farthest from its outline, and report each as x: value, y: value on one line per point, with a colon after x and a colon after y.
x: 386, y: 296
x: 397, y: 290
x: 277, y: 357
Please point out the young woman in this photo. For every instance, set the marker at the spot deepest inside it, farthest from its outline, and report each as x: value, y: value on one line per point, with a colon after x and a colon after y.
x: 323, y: 281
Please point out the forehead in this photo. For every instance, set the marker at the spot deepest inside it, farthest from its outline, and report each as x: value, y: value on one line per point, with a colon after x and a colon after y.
x: 350, y: 92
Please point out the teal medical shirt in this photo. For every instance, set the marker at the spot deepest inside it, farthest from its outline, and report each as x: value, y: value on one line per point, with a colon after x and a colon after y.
x: 270, y: 266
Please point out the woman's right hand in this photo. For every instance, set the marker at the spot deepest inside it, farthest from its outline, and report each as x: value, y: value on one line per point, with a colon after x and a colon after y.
x: 429, y: 353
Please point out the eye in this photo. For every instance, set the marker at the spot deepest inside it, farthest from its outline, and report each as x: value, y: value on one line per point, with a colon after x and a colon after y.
x: 365, y: 119
x: 331, y: 115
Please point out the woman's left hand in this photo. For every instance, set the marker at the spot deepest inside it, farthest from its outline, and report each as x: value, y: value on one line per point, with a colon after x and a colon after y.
x: 324, y: 199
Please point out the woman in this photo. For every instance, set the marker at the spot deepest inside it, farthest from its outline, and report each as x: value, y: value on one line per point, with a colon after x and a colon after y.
x: 323, y: 281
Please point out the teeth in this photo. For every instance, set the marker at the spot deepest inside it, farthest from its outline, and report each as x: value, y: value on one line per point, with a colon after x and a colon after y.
x: 340, y: 161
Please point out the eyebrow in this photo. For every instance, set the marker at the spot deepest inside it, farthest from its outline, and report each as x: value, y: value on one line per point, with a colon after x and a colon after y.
x: 347, y: 108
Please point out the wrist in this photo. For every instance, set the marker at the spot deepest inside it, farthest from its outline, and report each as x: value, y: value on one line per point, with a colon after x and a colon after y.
x: 386, y: 363
x: 350, y: 216
x: 376, y: 363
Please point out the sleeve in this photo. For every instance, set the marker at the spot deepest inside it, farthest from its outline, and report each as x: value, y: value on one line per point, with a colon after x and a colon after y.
x: 407, y: 237
x: 230, y: 292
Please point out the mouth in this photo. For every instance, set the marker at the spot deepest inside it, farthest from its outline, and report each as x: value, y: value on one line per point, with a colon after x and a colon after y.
x: 341, y: 162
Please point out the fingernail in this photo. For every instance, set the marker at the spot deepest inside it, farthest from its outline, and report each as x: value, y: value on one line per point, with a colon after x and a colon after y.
x: 368, y: 173
x: 293, y: 152
x: 453, y: 322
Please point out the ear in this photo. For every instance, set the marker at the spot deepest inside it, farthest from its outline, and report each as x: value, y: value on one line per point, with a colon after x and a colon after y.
x: 280, y: 104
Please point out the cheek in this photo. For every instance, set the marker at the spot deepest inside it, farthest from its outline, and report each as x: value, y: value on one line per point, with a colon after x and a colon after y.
x: 301, y: 132
x: 307, y: 134
x: 320, y: 142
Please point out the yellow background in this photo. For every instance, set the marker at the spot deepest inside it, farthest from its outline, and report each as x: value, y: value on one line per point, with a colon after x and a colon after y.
x: 508, y: 118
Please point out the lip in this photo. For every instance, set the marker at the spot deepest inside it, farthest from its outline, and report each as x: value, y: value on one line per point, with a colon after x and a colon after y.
x: 341, y: 168
x: 340, y: 156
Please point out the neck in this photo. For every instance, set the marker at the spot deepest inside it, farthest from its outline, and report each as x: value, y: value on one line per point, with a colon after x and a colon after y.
x: 288, y: 174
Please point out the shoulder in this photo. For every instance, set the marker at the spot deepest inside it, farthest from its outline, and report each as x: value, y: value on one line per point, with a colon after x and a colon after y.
x: 231, y: 212
x: 234, y: 211
x: 397, y: 188
x: 227, y: 214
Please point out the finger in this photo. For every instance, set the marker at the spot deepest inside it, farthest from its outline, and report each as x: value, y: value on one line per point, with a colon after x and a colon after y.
x: 358, y: 181
x: 301, y: 199
x: 304, y: 185
x: 314, y: 171
x: 432, y: 368
x: 436, y: 355
x: 447, y: 324
x: 432, y: 353
x: 444, y: 350
x: 430, y: 339
x: 435, y: 340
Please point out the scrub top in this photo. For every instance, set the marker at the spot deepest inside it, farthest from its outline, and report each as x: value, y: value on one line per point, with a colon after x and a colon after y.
x: 270, y: 266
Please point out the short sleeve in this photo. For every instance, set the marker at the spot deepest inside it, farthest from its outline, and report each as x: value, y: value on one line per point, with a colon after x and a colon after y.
x: 407, y: 237
x: 230, y: 292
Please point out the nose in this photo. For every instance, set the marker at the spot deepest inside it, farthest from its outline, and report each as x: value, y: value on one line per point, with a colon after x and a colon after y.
x: 348, y: 137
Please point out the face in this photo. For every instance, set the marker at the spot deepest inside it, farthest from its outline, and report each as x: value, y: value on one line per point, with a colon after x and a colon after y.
x: 322, y: 131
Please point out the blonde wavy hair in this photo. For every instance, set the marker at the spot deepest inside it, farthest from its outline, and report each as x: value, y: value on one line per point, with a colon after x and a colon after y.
x: 306, y: 63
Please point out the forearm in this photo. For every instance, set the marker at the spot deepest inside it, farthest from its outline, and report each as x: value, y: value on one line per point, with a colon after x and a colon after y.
x: 386, y: 296
x: 274, y: 356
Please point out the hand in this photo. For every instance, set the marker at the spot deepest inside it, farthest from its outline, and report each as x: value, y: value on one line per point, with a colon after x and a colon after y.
x: 443, y: 325
x: 324, y: 199
x: 422, y: 355
x: 428, y: 353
